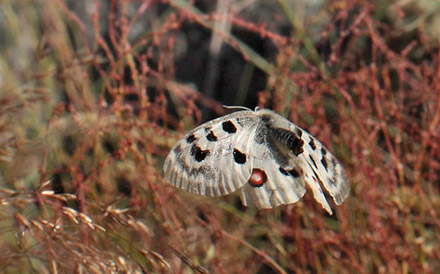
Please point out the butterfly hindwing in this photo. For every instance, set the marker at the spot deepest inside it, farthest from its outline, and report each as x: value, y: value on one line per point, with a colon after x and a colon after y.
x: 280, y: 185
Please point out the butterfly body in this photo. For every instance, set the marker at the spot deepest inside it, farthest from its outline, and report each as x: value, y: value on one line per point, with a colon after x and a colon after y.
x: 262, y: 154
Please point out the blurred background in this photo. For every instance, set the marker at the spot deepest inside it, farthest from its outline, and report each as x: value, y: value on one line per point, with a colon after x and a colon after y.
x: 93, y: 94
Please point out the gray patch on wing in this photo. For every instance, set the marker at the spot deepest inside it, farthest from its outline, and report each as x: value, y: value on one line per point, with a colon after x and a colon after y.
x: 177, y: 150
x: 263, y: 137
x: 278, y: 140
x: 289, y: 139
x: 261, y: 134
x: 208, y: 172
x: 246, y: 121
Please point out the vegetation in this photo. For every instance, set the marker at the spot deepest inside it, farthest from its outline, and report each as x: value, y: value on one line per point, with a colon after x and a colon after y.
x: 94, y: 93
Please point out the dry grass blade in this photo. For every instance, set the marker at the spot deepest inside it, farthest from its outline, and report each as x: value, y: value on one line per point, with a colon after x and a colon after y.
x: 189, y: 262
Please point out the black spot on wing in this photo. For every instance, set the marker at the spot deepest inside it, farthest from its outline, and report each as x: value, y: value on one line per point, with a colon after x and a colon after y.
x: 293, y: 172
x: 229, y: 127
x: 324, y: 162
x: 211, y: 136
x: 312, y: 143
x: 323, y: 151
x: 313, y: 161
x: 239, y: 157
x: 283, y: 171
x: 296, y: 146
x: 199, y: 154
x: 190, y: 139
x: 299, y: 132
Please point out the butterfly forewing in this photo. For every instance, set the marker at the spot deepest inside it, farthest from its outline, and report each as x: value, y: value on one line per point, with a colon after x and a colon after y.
x: 212, y: 159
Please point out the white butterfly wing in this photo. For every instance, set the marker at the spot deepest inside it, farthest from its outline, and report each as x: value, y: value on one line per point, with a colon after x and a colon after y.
x: 212, y: 159
x: 223, y: 155
x: 279, y: 186
x: 317, y: 164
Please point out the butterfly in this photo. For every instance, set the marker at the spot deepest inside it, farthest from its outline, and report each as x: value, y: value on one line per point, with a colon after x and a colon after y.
x: 266, y: 157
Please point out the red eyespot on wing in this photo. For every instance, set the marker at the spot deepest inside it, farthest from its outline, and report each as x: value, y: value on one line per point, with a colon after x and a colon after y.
x: 258, y: 177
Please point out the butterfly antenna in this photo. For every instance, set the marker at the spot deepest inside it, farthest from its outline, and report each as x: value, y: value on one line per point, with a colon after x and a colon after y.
x: 237, y: 107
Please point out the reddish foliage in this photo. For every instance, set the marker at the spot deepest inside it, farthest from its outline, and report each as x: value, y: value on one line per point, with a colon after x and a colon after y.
x: 363, y: 84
